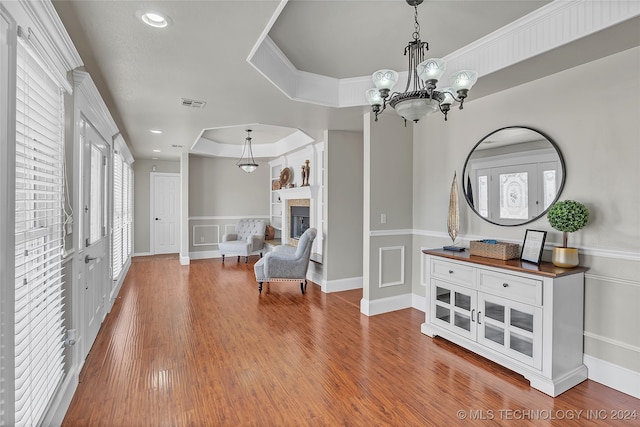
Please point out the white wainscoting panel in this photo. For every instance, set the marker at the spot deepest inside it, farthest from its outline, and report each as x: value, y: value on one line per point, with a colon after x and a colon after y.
x: 391, y: 266
x: 205, y: 235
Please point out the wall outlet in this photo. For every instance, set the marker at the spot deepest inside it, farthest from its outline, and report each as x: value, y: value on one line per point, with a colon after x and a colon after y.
x: 383, y: 218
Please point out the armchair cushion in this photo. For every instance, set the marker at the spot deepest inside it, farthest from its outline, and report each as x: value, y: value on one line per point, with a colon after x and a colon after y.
x: 248, y: 239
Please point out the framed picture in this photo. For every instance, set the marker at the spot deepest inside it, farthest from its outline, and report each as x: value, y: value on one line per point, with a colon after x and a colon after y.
x: 533, y: 246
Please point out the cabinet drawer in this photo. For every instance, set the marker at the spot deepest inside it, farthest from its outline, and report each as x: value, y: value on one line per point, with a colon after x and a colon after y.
x: 515, y: 288
x: 452, y: 272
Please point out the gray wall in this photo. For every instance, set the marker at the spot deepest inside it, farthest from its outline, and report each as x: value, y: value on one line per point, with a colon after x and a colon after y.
x: 343, y: 206
x: 600, y: 140
x: 142, y: 169
x: 219, y: 194
x: 388, y: 175
x: 218, y: 187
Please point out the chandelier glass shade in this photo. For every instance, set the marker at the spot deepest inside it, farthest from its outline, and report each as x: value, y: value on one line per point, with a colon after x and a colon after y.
x: 420, y: 97
x: 246, y: 161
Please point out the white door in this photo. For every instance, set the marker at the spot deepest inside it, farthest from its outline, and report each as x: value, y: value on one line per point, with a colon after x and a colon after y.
x: 96, y: 272
x: 165, y: 213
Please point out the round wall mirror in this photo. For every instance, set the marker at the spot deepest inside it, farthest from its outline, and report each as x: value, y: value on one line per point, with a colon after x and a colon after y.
x: 513, y: 175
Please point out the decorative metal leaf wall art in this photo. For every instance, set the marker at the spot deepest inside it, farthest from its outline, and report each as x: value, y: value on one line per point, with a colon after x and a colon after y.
x: 453, y: 220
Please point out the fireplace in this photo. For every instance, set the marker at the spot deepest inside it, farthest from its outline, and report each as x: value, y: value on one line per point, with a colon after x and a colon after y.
x: 297, y: 219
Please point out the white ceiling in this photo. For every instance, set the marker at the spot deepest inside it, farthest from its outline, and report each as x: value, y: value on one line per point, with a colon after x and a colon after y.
x: 142, y: 72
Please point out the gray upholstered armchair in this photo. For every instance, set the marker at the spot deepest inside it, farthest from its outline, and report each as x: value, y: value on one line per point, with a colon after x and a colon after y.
x: 286, y: 263
x: 248, y: 239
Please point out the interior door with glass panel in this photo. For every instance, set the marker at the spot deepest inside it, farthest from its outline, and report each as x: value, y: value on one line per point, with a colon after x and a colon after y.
x: 96, y: 276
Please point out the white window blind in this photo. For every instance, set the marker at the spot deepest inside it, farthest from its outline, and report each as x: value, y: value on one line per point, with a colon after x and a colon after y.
x: 128, y: 210
x: 116, y: 237
x: 39, y: 246
x: 122, y: 213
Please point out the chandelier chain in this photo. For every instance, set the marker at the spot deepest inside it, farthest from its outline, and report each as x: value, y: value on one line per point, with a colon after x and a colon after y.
x: 416, y: 25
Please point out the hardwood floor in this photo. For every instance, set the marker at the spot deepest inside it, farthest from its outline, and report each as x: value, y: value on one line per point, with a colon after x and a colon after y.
x: 198, y: 346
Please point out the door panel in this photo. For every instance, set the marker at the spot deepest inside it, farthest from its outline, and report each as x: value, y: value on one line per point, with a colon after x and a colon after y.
x: 96, y: 273
x: 165, y: 219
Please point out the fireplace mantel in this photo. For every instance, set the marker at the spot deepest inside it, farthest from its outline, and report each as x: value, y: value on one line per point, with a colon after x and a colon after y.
x: 295, y: 193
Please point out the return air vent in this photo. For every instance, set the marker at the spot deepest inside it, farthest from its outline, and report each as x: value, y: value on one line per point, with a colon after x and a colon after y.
x: 192, y: 103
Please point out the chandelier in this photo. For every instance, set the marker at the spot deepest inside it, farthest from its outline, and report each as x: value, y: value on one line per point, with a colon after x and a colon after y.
x: 420, y: 97
x: 249, y: 165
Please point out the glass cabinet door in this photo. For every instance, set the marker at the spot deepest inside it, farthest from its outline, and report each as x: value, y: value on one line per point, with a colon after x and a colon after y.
x: 453, y: 307
x: 511, y: 327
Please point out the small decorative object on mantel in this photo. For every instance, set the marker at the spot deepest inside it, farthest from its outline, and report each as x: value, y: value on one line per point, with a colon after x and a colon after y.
x: 453, y: 219
x: 567, y: 216
x: 533, y: 246
x: 285, y: 177
x: 490, y: 248
x: 305, y: 173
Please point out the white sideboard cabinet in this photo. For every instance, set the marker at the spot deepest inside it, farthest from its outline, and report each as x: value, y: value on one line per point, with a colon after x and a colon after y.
x: 526, y: 317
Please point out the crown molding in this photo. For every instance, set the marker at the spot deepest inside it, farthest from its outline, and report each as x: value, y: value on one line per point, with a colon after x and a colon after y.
x: 92, y: 105
x: 549, y: 27
x: 294, y: 141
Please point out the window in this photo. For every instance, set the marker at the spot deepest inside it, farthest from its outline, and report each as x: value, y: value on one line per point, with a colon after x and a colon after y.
x: 122, y: 212
x: 39, y: 222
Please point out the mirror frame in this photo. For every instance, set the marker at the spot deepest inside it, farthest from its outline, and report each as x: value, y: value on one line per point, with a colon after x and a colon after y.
x: 558, y: 193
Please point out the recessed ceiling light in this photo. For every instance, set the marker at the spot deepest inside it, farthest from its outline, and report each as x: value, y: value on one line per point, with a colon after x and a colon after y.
x: 155, y: 131
x: 156, y: 151
x: 154, y: 19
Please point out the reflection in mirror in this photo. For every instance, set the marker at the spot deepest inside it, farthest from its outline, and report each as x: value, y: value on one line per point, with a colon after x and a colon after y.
x: 513, y: 175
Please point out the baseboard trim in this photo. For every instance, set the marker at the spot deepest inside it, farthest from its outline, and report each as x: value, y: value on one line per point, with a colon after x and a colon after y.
x: 185, y: 260
x: 338, y: 285
x: 205, y: 254
x: 142, y: 254
x: 617, y: 377
x: 385, y: 305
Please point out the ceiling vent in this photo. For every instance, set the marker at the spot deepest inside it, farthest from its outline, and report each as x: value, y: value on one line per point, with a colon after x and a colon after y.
x: 192, y: 103
x: 177, y: 146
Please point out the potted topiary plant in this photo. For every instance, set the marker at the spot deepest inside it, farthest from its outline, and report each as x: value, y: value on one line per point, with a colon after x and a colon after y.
x: 567, y: 216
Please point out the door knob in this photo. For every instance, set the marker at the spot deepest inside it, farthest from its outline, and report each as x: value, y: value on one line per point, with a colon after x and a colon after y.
x: 88, y: 259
